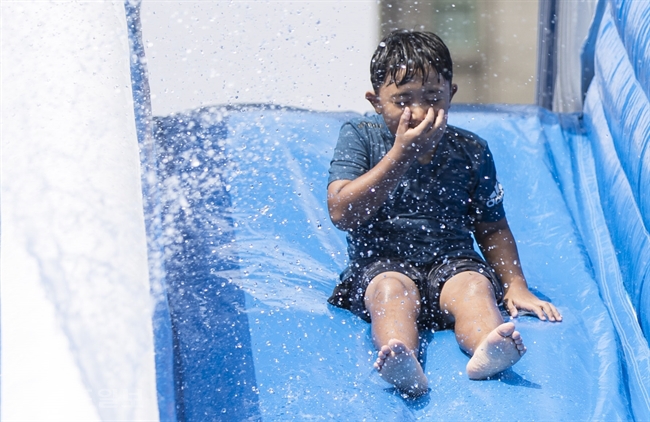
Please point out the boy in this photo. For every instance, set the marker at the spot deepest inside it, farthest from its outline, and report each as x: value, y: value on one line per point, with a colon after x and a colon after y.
x: 410, y: 190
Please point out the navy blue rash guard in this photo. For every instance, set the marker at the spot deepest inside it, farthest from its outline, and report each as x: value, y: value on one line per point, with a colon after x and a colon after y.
x: 431, y: 213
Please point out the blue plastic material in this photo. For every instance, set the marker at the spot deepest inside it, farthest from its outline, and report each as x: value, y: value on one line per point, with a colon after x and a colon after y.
x: 213, y: 367
x: 624, y: 264
x: 313, y: 361
x: 613, y: 172
x: 632, y: 18
x: 574, y: 165
x: 627, y: 110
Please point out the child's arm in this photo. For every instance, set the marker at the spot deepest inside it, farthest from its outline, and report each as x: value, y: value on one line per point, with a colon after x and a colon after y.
x: 500, y: 250
x: 352, y: 202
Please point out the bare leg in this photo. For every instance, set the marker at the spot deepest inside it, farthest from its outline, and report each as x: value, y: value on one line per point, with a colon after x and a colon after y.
x: 393, y: 301
x: 479, y: 327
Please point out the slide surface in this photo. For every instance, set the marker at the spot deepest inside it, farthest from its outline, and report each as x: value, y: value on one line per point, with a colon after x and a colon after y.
x: 252, y: 258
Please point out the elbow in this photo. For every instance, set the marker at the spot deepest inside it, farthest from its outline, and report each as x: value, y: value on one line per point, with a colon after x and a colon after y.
x: 340, y: 222
x: 340, y: 210
x: 343, y: 219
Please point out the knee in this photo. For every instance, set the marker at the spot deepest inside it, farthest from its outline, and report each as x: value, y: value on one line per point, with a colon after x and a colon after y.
x: 480, y: 285
x: 471, y: 284
x: 480, y: 281
x: 385, y: 288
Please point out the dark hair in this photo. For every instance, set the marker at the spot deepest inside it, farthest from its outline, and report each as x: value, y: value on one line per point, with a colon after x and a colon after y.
x: 404, y: 54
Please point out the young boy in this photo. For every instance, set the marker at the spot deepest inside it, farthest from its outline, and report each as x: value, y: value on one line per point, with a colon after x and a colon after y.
x: 410, y: 190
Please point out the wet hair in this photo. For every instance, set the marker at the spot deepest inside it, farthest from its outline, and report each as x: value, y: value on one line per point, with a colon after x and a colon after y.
x: 404, y: 54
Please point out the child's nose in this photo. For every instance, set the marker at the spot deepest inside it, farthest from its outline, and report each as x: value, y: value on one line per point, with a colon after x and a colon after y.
x: 418, y: 114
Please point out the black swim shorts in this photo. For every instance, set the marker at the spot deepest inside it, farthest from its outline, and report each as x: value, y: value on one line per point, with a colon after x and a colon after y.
x: 429, y: 279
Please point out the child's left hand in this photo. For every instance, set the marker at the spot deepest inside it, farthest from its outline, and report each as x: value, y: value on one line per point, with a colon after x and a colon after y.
x: 516, y: 300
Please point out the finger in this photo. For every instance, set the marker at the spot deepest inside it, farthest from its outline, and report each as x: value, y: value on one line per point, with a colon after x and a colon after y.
x: 441, y: 119
x: 404, y: 120
x: 539, y: 311
x: 430, y: 118
x: 547, y: 311
x: 438, y: 121
x: 553, y: 313
x: 512, y: 309
x: 427, y: 123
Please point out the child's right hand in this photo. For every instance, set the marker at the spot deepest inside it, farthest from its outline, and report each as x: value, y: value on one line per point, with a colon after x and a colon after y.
x: 424, y: 137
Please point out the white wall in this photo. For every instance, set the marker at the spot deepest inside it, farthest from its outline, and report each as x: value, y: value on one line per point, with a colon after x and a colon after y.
x: 309, y: 54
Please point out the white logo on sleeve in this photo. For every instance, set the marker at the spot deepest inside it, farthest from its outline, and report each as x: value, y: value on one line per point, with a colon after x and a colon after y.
x: 496, y: 197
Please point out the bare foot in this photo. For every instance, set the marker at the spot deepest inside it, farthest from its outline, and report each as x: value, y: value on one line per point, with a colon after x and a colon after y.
x: 399, y: 366
x: 501, y: 349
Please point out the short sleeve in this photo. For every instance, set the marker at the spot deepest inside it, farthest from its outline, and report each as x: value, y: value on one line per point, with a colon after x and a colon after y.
x: 488, y: 194
x: 350, y: 158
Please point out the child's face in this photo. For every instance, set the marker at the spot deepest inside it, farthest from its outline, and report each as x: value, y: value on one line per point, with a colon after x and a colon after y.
x: 391, y: 100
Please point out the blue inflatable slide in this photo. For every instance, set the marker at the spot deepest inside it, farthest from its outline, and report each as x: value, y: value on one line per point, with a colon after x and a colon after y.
x: 243, y: 256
